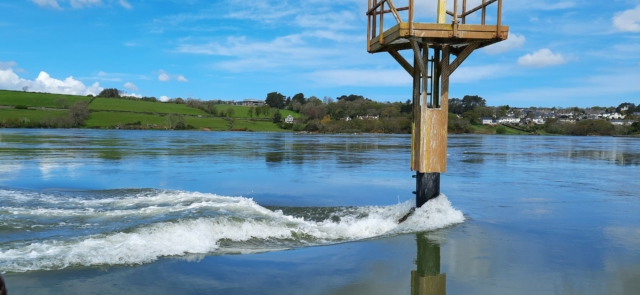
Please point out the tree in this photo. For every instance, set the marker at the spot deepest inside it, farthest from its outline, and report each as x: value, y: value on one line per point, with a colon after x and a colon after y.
x: 62, y: 103
x: 471, y: 102
x: 109, y: 92
x: 250, y: 112
x: 258, y: 112
x: 277, y: 117
x: 230, y: 112
x: 210, y: 107
x: 25, y: 88
x: 351, y: 97
x: 175, y: 120
x: 79, y: 112
x: 472, y: 116
x: 626, y: 108
x: 275, y: 100
x: 266, y: 110
x: 502, y: 111
x: 230, y: 122
x: 389, y: 112
x: 455, y: 106
x: 299, y: 98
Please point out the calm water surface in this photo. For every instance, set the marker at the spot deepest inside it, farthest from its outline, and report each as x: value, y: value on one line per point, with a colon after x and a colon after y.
x: 104, y: 212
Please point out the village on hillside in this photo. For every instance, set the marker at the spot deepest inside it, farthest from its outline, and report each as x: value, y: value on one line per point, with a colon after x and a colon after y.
x: 539, y: 116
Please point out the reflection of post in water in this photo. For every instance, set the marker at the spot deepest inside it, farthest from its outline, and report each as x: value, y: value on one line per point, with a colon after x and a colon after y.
x: 428, y: 280
x: 3, y: 288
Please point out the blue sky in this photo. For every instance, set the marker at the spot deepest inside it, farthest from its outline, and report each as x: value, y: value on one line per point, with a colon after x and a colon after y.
x: 559, y: 53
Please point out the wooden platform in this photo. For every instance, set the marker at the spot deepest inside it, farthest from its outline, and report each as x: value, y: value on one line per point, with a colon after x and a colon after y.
x: 397, y: 38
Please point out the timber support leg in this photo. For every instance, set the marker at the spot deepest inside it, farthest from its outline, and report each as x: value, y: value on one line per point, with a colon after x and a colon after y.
x: 427, y: 187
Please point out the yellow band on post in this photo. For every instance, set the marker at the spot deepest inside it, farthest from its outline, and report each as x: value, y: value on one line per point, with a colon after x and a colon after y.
x: 442, y: 11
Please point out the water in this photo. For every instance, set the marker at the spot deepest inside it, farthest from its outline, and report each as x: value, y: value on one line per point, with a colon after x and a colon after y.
x: 106, y: 212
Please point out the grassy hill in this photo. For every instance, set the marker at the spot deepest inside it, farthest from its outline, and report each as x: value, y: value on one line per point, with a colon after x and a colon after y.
x: 34, y: 99
x: 112, y: 104
x: 113, y: 112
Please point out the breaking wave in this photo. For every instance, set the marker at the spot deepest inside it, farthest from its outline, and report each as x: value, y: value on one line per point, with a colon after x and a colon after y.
x: 46, y: 231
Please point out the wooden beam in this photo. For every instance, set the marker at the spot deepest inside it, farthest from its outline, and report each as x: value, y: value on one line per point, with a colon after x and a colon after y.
x: 462, y: 56
x: 375, y: 6
x: 418, y: 57
x: 394, y: 11
x: 481, y: 6
x: 402, y: 61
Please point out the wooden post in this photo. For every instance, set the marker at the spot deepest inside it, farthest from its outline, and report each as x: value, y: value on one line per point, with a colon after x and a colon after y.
x: 442, y: 12
x: 431, y: 75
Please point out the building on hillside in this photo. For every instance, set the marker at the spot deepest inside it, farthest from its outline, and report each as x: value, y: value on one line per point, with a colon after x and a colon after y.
x: 509, y: 120
x: 613, y: 116
x: 487, y: 121
x: 538, y: 120
x: 252, y: 102
x: 367, y: 117
x: 289, y: 119
x: 622, y: 122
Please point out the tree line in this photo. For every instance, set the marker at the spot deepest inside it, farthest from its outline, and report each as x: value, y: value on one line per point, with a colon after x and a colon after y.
x: 346, y: 113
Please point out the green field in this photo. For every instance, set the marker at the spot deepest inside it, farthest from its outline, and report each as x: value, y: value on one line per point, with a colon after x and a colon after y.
x: 111, y: 119
x: 32, y: 115
x: 111, y: 112
x: 34, y: 99
x: 113, y: 104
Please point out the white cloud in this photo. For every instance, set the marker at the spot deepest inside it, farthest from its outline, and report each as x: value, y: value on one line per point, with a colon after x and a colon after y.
x: 514, y: 41
x: 369, y: 77
x: 281, y: 52
x: 47, y: 3
x: 588, y: 91
x: 7, y: 65
x: 260, y: 10
x: 131, y: 86
x: 163, y: 76
x: 115, y: 77
x: 541, y: 58
x: 45, y: 83
x: 628, y: 21
x: 467, y: 74
x: 540, y: 5
x: 164, y: 98
x: 130, y: 95
x: 334, y: 21
x: 84, y: 3
x: 126, y: 4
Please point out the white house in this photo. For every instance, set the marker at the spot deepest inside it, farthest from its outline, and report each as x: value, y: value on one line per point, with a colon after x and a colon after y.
x: 613, y: 116
x: 289, y: 119
x: 487, y: 121
x: 538, y: 120
x: 252, y: 102
x: 509, y: 120
x: 622, y: 122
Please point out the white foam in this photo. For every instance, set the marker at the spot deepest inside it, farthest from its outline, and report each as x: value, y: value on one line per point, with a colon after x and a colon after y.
x: 203, y: 235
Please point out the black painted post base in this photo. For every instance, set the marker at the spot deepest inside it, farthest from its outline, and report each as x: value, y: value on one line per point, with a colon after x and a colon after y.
x: 427, y: 187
